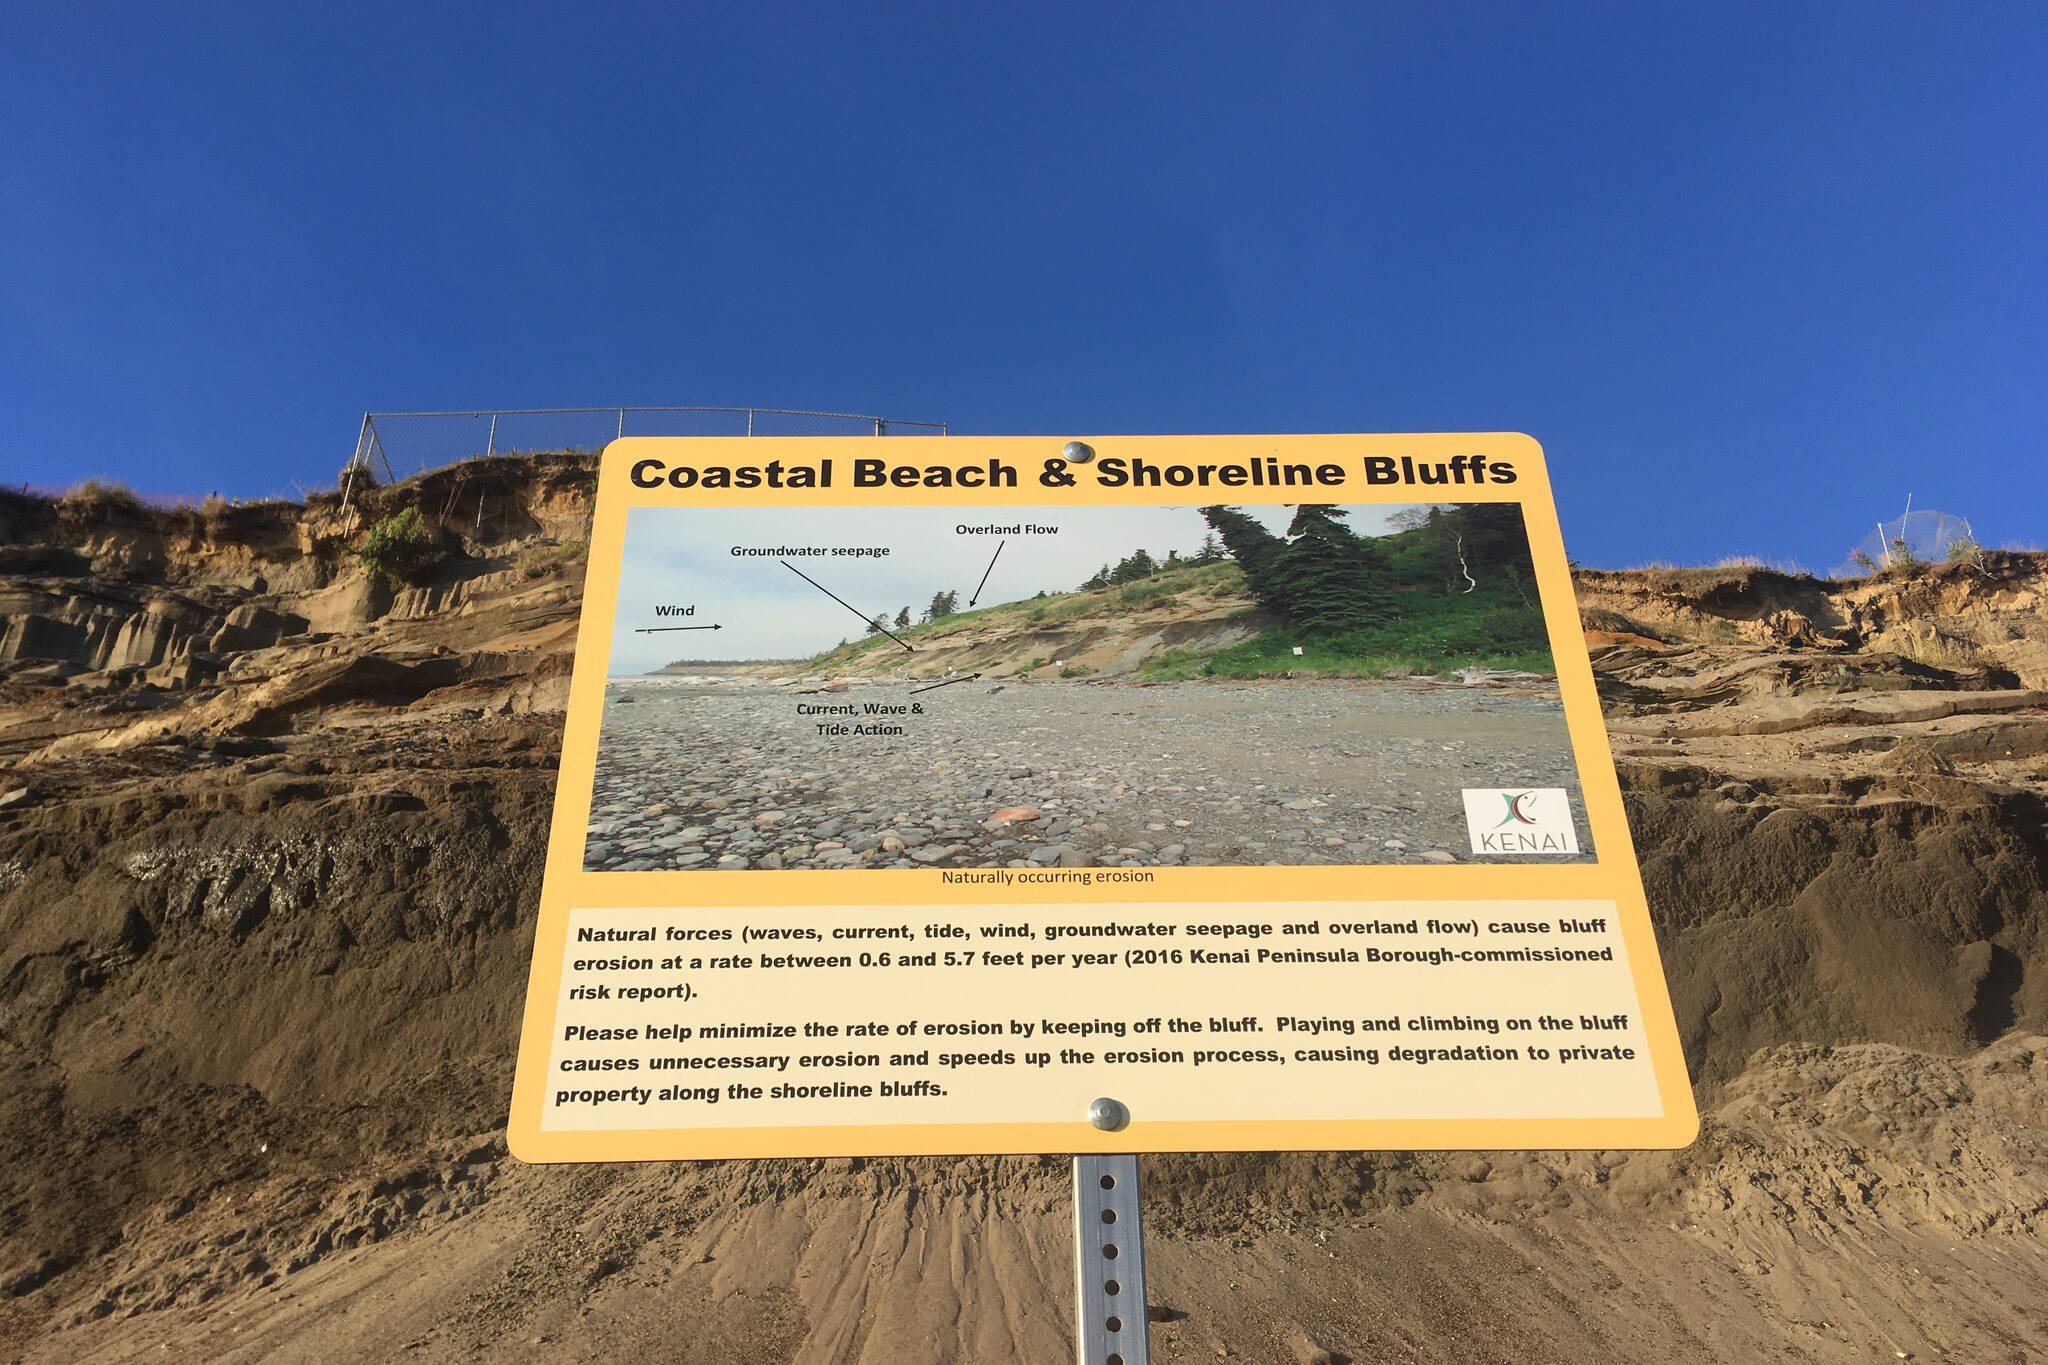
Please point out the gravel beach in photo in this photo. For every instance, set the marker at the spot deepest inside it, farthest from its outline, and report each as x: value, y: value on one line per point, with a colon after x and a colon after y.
x: 736, y: 772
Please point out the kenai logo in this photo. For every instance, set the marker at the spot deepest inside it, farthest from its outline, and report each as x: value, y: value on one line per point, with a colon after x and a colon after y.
x: 1532, y: 820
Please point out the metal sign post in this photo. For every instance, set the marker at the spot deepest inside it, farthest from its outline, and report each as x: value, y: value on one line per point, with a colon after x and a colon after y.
x: 1109, y: 1253
x: 1109, y: 1263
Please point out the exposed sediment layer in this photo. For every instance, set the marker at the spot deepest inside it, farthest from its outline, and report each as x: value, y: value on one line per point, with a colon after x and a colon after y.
x: 264, y: 936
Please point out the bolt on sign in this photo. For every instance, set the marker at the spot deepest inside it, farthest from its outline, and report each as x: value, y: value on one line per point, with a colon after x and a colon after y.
x: 916, y: 797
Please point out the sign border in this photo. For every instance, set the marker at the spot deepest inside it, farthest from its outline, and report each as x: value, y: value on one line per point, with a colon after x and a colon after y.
x: 1614, y: 876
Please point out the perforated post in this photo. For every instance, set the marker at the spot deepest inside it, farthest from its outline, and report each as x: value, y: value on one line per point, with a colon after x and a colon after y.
x: 1109, y: 1263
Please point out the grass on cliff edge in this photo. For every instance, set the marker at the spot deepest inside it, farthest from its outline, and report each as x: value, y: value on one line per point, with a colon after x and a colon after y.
x: 1162, y: 591
x: 1432, y: 632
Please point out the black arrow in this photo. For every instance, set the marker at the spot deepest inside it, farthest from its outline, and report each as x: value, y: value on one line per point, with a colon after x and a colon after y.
x: 650, y: 630
x: 948, y: 683
x: 986, y: 572
x: 881, y: 630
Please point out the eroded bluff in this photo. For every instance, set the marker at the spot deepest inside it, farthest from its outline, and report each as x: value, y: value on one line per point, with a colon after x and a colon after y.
x: 270, y: 847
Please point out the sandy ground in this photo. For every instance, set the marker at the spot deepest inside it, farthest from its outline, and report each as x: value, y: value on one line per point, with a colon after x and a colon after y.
x: 1726, y: 1254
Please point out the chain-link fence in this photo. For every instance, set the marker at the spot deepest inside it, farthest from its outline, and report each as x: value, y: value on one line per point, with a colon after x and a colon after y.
x: 1921, y: 537
x: 401, y: 444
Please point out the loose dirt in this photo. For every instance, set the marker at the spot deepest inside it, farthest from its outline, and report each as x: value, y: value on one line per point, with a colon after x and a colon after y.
x: 265, y: 919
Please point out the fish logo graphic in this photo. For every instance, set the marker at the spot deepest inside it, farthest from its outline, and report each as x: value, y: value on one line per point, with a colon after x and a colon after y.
x: 1516, y: 815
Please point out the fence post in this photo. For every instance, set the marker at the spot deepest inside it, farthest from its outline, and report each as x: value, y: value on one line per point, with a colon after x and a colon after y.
x: 750, y: 421
x: 377, y: 444
x: 622, y: 423
x: 878, y: 426
x: 348, y: 488
x: 491, y: 446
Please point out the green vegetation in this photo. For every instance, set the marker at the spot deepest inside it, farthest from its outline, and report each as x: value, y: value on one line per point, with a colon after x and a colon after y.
x: 1327, y: 580
x: 1167, y: 589
x: 1430, y: 635
x: 547, y: 559
x: 400, y: 549
x: 1152, y: 594
x: 1061, y: 609
x: 1451, y: 588
x: 846, y: 651
x: 1139, y: 564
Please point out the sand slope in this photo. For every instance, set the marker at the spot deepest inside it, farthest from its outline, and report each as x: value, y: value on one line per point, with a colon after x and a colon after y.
x: 263, y: 941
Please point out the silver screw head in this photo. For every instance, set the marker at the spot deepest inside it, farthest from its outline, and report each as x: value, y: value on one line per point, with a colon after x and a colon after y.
x: 1078, y: 452
x: 1109, y: 1115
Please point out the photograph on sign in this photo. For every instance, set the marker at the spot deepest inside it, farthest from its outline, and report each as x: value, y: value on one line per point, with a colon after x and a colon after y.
x: 1132, y: 717
x: 916, y: 808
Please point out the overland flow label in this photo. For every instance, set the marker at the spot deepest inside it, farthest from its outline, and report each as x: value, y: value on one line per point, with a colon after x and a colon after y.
x: 916, y: 795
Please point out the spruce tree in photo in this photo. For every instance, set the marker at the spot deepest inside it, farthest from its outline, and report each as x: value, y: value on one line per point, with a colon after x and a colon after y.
x: 1433, y: 537
x: 1211, y: 551
x: 1328, y: 578
x: 1100, y: 580
x: 1253, y: 547
x: 1495, y: 545
x: 1138, y: 565
x: 903, y: 619
x: 1468, y: 547
x: 879, y: 624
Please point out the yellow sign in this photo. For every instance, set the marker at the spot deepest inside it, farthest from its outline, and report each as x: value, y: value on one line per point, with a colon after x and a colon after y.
x: 915, y: 795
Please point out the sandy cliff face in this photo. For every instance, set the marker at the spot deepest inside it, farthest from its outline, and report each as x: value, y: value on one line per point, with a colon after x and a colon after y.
x: 270, y: 843
x: 1869, y: 803
x: 1962, y: 616
x: 119, y: 626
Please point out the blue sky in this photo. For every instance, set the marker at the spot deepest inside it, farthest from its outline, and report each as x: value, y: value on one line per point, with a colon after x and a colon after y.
x: 1752, y: 274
